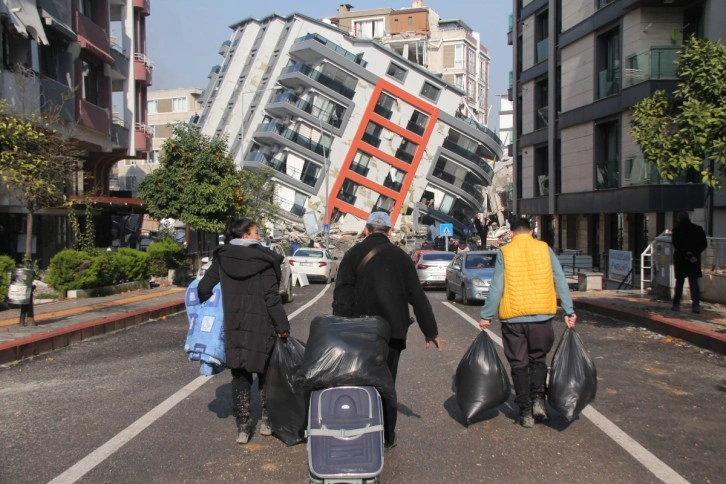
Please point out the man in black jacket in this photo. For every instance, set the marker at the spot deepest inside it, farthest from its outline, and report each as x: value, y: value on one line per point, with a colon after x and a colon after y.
x: 384, y: 284
x: 689, y: 240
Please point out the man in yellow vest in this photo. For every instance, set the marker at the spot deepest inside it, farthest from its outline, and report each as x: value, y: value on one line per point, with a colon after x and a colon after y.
x: 527, y: 280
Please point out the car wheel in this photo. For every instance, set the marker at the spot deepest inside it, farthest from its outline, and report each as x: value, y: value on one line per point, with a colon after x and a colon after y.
x: 450, y: 295
x: 464, y: 297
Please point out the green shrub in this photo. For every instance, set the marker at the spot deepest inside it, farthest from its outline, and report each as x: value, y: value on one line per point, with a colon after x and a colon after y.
x: 7, y: 264
x: 71, y: 269
x: 164, y: 255
x: 130, y: 265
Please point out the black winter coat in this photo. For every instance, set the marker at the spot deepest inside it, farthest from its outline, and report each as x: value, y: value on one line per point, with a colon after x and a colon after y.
x: 384, y: 287
x: 689, y: 240
x: 253, y: 312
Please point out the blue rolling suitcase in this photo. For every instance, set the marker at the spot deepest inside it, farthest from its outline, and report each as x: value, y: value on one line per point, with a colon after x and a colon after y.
x: 345, y: 435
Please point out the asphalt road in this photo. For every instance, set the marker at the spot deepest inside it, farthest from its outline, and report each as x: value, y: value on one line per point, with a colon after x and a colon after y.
x: 129, y: 407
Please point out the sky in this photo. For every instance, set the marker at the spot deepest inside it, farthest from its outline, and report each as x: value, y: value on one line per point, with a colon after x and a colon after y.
x: 184, y: 36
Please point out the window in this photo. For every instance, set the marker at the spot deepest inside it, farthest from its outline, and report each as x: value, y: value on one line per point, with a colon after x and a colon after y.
x: 384, y: 105
x: 347, y: 192
x: 471, y: 88
x: 607, y: 58
x: 152, y: 107
x: 384, y: 204
x: 360, y: 163
x: 431, y: 92
x: 541, y: 35
x: 372, y: 135
x: 471, y: 62
x: 540, y: 100
x: 369, y: 29
x: 417, y: 123
x: 396, y: 71
x: 179, y: 104
x: 607, y: 170
x: 459, y: 56
x: 541, y: 172
x: 406, y: 150
x: 459, y: 81
x: 92, y: 75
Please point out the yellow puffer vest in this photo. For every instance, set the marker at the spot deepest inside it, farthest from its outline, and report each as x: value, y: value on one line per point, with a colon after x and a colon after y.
x: 529, y: 287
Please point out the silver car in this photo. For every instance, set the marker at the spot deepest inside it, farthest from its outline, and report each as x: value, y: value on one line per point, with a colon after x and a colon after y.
x: 469, y: 275
x: 431, y: 267
x: 285, y: 280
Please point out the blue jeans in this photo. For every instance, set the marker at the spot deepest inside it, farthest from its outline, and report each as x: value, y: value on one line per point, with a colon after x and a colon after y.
x: 695, y: 291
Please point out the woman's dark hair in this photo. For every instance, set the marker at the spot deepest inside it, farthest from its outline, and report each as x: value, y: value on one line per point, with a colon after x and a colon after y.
x: 237, y: 228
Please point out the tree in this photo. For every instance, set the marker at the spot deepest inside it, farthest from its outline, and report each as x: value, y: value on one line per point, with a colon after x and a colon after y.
x: 198, y: 183
x: 685, y: 130
x: 37, y: 164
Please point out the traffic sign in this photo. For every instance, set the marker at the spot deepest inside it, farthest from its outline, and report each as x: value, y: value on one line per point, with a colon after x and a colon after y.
x: 446, y: 230
x: 326, y: 228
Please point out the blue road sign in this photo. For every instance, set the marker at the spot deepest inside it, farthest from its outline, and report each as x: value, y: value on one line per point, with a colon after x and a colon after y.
x: 446, y: 230
x: 326, y: 228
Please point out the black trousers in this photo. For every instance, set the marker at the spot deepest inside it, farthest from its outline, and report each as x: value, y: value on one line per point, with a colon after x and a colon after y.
x: 390, y: 409
x: 241, y: 393
x: 526, y: 346
x: 693, y: 287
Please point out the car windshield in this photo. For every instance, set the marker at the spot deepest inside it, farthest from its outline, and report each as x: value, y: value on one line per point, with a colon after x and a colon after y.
x: 441, y: 256
x: 318, y: 254
x: 480, y: 261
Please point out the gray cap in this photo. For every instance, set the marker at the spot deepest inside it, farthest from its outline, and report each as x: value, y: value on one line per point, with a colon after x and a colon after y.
x: 379, y: 219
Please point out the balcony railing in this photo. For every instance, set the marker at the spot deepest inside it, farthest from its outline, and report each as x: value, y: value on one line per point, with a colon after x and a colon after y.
x: 94, y: 117
x: 295, y: 137
x: 360, y: 169
x: 224, y: 48
x: 393, y: 185
x: 415, y: 128
x: 468, y: 155
x: 382, y: 111
x: 93, y: 34
x: 142, y: 137
x: 334, y: 47
x: 608, y: 82
x: 656, y: 63
x: 483, y: 129
x: 641, y: 172
x: 143, y: 69
x: 56, y: 99
x: 347, y: 198
x: 542, y: 50
x: 371, y: 139
x: 404, y: 156
x: 330, y: 83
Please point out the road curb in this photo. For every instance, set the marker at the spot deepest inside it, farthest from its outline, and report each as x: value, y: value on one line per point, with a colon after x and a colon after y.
x: 660, y: 324
x: 37, y: 344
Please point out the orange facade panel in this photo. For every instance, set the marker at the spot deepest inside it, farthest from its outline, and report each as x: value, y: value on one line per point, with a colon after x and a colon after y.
x: 359, y: 145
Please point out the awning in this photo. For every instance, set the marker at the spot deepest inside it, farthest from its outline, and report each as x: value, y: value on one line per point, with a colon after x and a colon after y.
x: 25, y: 18
x: 60, y: 27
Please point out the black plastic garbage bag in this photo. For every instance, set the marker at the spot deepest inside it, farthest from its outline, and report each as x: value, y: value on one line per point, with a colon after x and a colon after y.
x: 481, y: 379
x: 573, y: 378
x: 286, y: 402
x: 348, y: 351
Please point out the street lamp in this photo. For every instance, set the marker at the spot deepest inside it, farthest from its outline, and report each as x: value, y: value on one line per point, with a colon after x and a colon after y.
x: 326, y: 159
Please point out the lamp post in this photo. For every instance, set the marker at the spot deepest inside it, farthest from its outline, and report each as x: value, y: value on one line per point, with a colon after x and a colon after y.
x: 326, y: 159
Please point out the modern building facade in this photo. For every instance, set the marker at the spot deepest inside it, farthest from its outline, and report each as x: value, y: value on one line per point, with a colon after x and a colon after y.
x: 165, y: 107
x: 448, y: 48
x: 347, y: 125
x: 85, y: 61
x: 579, y: 67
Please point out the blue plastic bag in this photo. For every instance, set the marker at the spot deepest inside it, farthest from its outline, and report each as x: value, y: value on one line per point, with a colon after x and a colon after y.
x: 205, y: 338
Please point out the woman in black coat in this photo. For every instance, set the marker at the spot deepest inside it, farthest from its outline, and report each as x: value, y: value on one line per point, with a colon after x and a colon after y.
x: 253, y: 314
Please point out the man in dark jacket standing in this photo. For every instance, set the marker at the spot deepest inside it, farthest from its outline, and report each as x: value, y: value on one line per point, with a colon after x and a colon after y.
x: 253, y: 314
x: 689, y: 240
x: 376, y: 278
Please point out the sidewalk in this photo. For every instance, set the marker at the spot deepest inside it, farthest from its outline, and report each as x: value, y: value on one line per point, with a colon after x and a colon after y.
x: 69, y: 321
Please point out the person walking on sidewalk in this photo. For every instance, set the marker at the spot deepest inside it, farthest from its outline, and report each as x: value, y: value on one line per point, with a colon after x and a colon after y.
x: 253, y: 314
x: 689, y: 240
x: 527, y: 280
x: 384, y: 285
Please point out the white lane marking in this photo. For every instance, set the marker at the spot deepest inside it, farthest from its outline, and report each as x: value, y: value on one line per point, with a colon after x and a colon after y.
x: 85, y: 465
x: 659, y: 468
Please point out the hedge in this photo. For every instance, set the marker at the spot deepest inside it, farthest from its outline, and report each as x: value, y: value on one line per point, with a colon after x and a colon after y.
x: 74, y: 269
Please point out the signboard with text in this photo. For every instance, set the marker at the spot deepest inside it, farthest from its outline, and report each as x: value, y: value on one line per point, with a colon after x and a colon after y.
x: 620, y: 265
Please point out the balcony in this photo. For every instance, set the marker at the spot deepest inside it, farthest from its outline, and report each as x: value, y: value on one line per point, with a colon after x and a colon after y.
x: 483, y: 129
x: 224, y: 48
x: 56, y: 99
x: 120, y: 69
x: 382, y: 111
x: 470, y: 156
x: 143, y: 69
x: 93, y: 117
x: 294, y: 136
x: 415, y: 128
x: 393, y: 185
x: 142, y: 138
x: 656, y: 63
x: 348, y: 198
x: 93, y: 38
x: 404, y: 156
x: 303, y: 42
x: 119, y: 134
x: 144, y: 6
x: 360, y: 169
x: 214, y: 71
x: 371, y: 139
x: 319, y: 78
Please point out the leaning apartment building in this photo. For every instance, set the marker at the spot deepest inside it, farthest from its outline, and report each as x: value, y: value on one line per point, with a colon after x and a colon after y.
x: 348, y: 126
x: 579, y: 67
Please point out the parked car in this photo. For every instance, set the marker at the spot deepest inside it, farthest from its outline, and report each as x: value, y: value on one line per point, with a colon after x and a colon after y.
x: 431, y: 267
x: 469, y: 275
x: 316, y: 264
x: 285, y: 280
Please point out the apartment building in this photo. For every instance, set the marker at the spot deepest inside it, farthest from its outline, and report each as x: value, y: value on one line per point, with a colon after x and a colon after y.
x: 165, y: 107
x: 579, y: 67
x: 446, y: 47
x: 77, y: 59
x: 347, y: 125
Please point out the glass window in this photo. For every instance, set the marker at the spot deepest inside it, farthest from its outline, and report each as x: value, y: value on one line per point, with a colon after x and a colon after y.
x: 459, y: 56
x: 179, y: 104
x: 396, y: 71
x: 606, y: 146
x: 369, y: 29
x: 152, y: 107
x: 429, y: 91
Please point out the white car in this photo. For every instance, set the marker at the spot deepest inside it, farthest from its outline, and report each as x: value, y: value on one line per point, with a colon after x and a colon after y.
x: 316, y: 264
x: 285, y: 280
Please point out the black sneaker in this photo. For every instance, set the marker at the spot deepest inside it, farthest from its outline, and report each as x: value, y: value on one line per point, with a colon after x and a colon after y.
x: 696, y: 309
x: 676, y: 308
x: 389, y: 444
